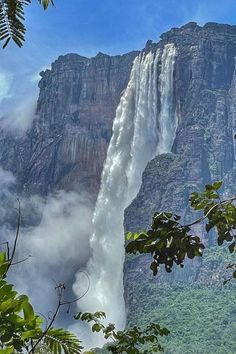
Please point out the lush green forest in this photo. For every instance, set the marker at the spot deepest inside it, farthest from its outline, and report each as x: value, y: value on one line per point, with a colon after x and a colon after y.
x: 200, y: 316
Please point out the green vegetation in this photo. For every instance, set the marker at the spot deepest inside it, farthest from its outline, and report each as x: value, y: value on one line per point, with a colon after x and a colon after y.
x: 12, y: 19
x: 133, y: 340
x: 21, y: 329
x: 195, y: 326
x: 170, y: 241
x: 200, y: 315
x: 201, y: 319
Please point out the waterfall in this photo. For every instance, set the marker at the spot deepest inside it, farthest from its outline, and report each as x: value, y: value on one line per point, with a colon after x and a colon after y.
x: 167, y: 118
x: 138, y: 129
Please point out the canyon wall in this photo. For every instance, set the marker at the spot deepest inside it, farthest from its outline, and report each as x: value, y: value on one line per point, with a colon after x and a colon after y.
x: 66, y: 146
x: 203, y: 152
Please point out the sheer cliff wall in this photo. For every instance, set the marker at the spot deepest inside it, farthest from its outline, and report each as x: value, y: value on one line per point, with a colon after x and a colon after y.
x: 203, y: 150
x: 66, y: 146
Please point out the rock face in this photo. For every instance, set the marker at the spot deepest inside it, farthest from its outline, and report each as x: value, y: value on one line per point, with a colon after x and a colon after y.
x: 204, y: 148
x: 66, y: 146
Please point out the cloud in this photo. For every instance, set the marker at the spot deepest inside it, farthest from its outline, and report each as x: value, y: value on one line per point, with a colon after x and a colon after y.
x: 5, y: 85
x: 21, y: 116
x: 18, y: 100
x: 57, y: 247
x: 6, y: 179
x: 7, y: 182
x: 54, y: 234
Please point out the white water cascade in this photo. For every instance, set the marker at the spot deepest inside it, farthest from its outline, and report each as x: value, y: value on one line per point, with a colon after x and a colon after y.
x: 167, y: 117
x: 139, y: 133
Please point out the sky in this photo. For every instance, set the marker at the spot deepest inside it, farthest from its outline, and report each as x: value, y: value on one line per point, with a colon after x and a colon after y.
x: 87, y: 27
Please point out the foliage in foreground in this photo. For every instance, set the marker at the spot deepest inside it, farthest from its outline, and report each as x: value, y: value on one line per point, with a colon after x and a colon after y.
x: 186, y: 311
x: 12, y: 19
x: 171, y: 242
x: 21, y: 328
x: 133, y: 340
x: 168, y: 241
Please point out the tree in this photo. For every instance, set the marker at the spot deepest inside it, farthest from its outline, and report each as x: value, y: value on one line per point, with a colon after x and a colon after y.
x: 12, y: 19
x: 21, y: 328
x: 169, y: 241
x: 133, y: 340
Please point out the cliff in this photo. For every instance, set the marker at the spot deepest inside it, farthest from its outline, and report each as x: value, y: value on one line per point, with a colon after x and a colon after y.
x: 66, y: 146
x: 203, y: 152
x: 203, y: 149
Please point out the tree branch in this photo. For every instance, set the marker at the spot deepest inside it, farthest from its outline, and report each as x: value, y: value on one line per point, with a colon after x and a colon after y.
x: 197, y: 221
x: 16, y: 236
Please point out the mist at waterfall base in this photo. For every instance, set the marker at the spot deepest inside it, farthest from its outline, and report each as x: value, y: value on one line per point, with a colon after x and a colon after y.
x: 55, y: 245
x: 142, y: 128
x: 59, y: 245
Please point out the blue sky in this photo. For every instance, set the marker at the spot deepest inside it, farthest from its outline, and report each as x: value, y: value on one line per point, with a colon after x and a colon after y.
x: 89, y: 26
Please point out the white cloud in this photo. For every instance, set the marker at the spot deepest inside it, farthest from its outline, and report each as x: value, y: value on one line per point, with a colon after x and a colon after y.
x: 34, y: 78
x: 6, y: 178
x: 5, y: 85
x: 21, y: 116
x: 58, y: 246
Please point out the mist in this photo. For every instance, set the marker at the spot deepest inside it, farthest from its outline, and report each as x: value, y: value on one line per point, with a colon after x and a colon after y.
x: 21, y: 117
x: 18, y: 99
x: 54, y: 249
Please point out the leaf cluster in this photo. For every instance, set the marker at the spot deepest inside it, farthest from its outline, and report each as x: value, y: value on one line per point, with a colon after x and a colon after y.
x: 168, y: 241
x: 130, y: 341
x: 21, y: 327
x: 12, y: 20
x: 58, y: 340
x: 220, y: 214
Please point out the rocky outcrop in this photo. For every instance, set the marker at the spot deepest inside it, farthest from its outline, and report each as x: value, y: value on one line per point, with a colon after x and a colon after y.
x: 203, y: 150
x: 66, y: 146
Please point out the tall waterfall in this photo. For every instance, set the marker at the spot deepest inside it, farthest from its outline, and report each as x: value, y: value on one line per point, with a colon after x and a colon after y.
x: 167, y: 117
x: 139, y: 129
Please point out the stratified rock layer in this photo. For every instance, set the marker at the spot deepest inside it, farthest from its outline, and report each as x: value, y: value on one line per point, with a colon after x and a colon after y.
x: 66, y: 146
x: 203, y: 150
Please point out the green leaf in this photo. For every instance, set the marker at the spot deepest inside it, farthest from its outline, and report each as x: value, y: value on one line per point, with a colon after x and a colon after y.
x: 129, y: 235
x: 217, y: 185
x: 96, y: 327
x: 231, y: 247
x: 31, y: 334
x: 46, y: 3
x: 9, y: 350
x: 60, y: 339
x: 28, y: 311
